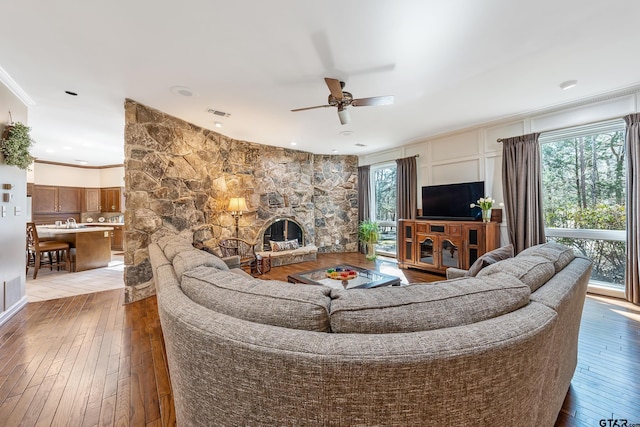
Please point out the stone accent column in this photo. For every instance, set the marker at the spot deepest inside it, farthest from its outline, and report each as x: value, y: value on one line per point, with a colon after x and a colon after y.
x: 179, y: 178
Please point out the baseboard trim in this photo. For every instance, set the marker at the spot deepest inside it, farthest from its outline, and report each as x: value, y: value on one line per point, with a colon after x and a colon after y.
x: 6, y: 315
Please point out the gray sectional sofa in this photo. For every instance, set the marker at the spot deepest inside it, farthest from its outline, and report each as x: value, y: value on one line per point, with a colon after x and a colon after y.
x: 496, y: 349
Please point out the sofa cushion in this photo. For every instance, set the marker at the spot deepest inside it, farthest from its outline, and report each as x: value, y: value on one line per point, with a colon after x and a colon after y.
x: 189, y: 259
x: 173, y: 248
x: 421, y: 307
x: 286, y: 245
x: 559, y: 254
x: 268, y: 302
x: 489, y: 258
x: 532, y: 270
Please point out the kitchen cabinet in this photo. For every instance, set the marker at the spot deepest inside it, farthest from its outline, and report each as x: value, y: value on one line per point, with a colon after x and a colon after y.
x: 111, y: 199
x: 48, y: 199
x: 92, y: 200
x: 438, y: 245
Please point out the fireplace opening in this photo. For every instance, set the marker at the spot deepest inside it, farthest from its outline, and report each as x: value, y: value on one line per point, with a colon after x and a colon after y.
x: 281, y: 230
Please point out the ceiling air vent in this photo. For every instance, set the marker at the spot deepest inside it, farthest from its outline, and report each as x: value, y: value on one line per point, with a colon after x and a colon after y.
x: 218, y: 113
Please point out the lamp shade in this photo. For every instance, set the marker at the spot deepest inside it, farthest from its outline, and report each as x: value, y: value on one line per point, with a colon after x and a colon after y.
x: 237, y: 204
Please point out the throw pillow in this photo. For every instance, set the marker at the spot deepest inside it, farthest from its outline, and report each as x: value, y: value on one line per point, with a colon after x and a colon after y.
x: 283, y: 246
x: 489, y: 258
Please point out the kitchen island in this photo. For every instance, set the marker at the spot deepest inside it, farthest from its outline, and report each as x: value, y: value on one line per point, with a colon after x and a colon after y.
x: 90, y: 246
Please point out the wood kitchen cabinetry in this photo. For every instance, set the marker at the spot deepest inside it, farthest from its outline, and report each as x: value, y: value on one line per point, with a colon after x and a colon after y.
x: 111, y: 199
x: 48, y: 199
x: 92, y: 200
x: 438, y: 245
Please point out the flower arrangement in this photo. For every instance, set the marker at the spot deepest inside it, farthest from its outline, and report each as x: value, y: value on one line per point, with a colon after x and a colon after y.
x: 484, y: 203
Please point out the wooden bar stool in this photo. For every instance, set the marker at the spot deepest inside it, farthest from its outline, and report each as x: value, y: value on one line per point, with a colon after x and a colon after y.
x: 51, y: 253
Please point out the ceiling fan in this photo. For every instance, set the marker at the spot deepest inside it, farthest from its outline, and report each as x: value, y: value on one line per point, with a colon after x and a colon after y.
x: 342, y: 99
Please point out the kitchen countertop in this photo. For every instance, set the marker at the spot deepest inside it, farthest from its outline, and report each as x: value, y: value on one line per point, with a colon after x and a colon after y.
x: 50, y: 230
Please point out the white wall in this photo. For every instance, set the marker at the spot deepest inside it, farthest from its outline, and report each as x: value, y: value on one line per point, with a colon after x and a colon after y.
x: 13, y: 224
x: 69, y: 176
x: 474, y: 155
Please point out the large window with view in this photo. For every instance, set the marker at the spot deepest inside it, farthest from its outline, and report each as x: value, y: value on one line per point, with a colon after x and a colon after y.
x: 584, y: 190
x: 383, y: 206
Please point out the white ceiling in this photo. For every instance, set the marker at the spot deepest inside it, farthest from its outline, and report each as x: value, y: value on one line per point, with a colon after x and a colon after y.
x: 449, y: 64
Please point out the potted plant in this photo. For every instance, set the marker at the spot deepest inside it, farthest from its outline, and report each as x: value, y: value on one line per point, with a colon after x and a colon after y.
x: 15, y: 146
x: 369, y: 234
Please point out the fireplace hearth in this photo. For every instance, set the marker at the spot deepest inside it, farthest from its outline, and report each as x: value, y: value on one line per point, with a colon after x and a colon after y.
x: 280, y: 230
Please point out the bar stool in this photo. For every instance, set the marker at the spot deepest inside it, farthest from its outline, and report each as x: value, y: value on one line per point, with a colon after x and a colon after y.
x: 51, y: 253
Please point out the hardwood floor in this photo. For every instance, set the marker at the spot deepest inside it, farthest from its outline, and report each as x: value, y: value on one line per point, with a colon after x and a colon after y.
x: 90, y: 360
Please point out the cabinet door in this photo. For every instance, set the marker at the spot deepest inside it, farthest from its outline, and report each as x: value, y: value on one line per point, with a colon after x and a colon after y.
x: 111, y: 199
x: 70, y: 199
x: 406, y: 230
x: 427, y: 253
x: 450, y: 252
x: 44, y: 199
x: 92, y: 200
x: 117, y: 240
x: 474, y: 236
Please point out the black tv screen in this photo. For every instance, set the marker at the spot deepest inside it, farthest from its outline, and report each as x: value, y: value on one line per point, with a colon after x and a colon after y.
x: 452, y: 201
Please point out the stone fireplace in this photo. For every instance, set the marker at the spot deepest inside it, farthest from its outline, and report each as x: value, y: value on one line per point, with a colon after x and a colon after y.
x: 280, y: 230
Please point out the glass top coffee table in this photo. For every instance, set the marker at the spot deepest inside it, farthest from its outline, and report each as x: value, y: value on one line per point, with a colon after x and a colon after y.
x: 365, y: 278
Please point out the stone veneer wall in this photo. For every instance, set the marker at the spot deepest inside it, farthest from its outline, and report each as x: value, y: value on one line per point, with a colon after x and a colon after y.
x: 179, y: 178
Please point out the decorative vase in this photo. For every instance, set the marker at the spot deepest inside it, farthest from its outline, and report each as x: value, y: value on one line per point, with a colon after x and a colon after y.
x: 371, y: 251
x: 486, y: 215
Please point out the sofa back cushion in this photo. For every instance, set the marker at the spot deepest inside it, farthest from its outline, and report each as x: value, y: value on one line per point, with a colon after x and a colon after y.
x: 558, y: 254
x: 421, y: 307
x: 489, y: 258
x: 532, y: 270
x: 268, y: 302
x: 191, y: 258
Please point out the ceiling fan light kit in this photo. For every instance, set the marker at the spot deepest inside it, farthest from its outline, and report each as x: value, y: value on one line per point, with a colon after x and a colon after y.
x: 342, y: 99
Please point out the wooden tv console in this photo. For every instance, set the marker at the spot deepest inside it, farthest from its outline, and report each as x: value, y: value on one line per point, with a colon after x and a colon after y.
x: 435, y: 245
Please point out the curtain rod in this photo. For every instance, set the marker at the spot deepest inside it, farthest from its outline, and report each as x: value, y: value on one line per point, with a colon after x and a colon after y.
x: 567, y: 127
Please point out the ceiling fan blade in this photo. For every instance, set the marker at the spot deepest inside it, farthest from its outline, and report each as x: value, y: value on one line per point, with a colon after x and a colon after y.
x: 334, y: 87
x: 376, y: 100
x: 311, y: 108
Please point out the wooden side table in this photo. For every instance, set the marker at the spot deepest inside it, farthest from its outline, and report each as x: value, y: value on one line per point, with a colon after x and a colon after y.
x: 262, y: 265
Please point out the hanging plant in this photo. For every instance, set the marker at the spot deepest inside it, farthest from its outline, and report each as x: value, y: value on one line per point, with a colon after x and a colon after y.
x: 16, y: 143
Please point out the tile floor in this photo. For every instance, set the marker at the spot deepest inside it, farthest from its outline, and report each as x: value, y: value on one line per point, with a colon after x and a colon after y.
x: 60, y: 284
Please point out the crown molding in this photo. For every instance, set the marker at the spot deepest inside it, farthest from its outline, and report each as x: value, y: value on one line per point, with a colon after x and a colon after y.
x: 11, y: 84
x: 46, y: 162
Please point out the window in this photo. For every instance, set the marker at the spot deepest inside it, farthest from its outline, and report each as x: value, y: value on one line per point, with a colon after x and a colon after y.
x: 584, y: 195
x: 383, y: 206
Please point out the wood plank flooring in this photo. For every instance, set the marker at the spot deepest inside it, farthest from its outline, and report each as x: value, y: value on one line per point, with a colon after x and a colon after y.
x: 90, y: 360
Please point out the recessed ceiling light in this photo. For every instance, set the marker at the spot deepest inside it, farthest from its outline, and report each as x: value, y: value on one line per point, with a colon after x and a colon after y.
x: 82, y: 162
x: 294, y: 143
x: 66, y: 147
x: 568, y: 84
x: 217, y: 124
x: 334, y: 151
x: 68, y: 92
x: 49, y: 150
x: 182, y: 91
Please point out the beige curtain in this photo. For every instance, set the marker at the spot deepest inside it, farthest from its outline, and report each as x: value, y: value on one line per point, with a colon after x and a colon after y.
x: 522, y: 186
x: 364, y: 199
x: 406, y: 188
x: 632, y: 148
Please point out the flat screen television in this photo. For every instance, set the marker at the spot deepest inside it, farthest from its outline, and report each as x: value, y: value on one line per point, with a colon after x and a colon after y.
x: 451, y: 201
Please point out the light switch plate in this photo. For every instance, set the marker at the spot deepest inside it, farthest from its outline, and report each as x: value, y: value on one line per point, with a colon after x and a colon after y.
x: 4, y: 210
